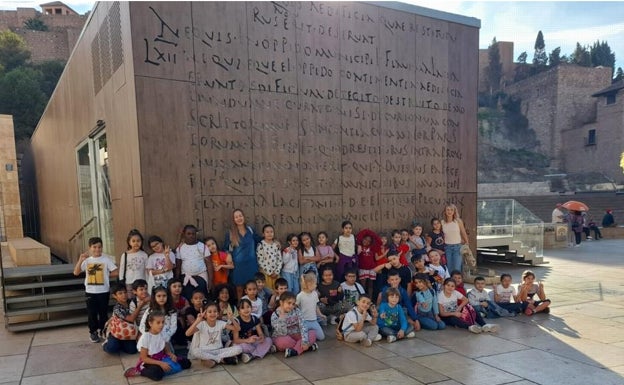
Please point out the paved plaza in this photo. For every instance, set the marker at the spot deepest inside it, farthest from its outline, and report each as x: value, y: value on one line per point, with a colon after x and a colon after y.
x: 580, y: 342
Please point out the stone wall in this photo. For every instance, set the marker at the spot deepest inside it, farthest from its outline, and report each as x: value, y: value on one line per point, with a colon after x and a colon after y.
x: 559, y: 100
x: 51, y: 45
x: 506, y: 51
x: 10, y: 207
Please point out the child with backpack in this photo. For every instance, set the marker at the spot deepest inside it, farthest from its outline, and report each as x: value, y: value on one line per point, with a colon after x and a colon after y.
x: 359, y: 324
x: 425, y: 300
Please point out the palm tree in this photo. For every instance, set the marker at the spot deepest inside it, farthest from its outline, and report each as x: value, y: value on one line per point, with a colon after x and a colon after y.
x: 92, y: 273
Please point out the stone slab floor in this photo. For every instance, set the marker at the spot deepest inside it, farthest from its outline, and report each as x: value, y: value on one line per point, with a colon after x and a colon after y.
x: 580, y: 342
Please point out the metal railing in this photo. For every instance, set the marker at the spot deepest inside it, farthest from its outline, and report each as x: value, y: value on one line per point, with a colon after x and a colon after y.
x: 77, y: 244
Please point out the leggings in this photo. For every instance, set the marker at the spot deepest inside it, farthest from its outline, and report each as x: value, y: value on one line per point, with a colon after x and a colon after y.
x: 293, y: 341
x: 459, y: 323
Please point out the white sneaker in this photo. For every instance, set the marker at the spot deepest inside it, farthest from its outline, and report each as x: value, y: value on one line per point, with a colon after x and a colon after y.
x: 489, y: 328
x: 367, y: 342
x: 577, y: 245
x: 476, y: 329
x: 377, y: 338
x: 391, y: 339
x: 246, y: 358
x: 410, y: 335
x: 333, y: 320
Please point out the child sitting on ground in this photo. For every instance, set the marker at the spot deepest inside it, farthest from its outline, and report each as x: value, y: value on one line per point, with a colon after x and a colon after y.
x: 180, y: 304
x: 459, y: 281
x: 290, y: 335
x: 121, y: 310
x: 479, y: 298
x: 451, y: 311
x: 251, y: 293
x: 425, y: 300
x: 505, y: 293
x: 139, y: 289
x: 207, y: 344
x: 307, y: 300
x: 528, y: 290
x: 156, y: 360
x: 250, y: 337
x: 330, y: 295
x: 440, y: 273
x: 392, y: 321
x: 394, y: 281
x: 360, y: 325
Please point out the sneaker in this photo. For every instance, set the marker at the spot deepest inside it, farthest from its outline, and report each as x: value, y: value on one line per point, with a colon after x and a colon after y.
x: 208, y: 363
x: 290, y: 353
x: 273, y: 349
x: 314, y: 347
x: 367, y: 342
x: 391, y: 339
x: 230, y: 361
x: 411, y: 335
x: 489, y: 328
x: 333, y: 320
x: 103, y: 334
x: 377, y: 338
x: 577, y: 245
x: 482, y: 314
x: 476, y: 329
x: 94, y: 337
x: 132, y: 372
x: 245, y: 357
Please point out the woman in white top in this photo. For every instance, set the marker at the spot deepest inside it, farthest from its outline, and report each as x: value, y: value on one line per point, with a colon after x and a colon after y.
x: 454, y: 237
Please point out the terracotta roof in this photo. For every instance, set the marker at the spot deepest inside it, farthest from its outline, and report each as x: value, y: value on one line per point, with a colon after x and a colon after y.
x: 612, y: 89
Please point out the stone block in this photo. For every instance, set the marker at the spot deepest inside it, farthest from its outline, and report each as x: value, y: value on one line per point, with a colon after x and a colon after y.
x: 28, y: 252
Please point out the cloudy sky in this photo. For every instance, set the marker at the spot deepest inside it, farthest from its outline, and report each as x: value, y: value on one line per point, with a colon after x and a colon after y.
x: 563, y: 23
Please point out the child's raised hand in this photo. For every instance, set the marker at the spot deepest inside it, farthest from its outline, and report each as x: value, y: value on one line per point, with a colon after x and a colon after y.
x: 167, y: 250
x: 373, y: 311
x: 201, y: 314
x: 84, y: 256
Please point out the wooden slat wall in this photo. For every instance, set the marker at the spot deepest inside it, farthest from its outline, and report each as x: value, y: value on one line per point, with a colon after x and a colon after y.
x: 305, y: 114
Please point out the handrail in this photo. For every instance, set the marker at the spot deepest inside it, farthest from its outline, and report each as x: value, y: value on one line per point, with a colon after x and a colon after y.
x: 4, y: 304
x: 87, y: 223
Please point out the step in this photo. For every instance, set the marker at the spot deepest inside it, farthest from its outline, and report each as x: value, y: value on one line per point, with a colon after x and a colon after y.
x: 46, y: 309
x: 39, y: 284
x: 34, y: 271
x: 23, y: 326
x: 45, y: 296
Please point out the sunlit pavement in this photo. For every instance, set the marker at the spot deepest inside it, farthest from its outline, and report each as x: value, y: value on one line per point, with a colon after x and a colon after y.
x: 580, y: 342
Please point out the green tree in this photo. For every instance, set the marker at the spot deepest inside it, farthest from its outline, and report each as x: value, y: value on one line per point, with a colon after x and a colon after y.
x: 21, y: 96
x: 555, y: 57
x: 36, y: 24
x: 601, y: 55
x: 540, y: 58
x: 13, y: 51
x: 51, y: 72
x: 494, y: 70
x: 522, y: 58
x: 619, y: 75
x: 581, y: 56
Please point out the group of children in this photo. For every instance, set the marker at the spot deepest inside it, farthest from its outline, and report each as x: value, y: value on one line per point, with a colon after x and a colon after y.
x: 368, y: 286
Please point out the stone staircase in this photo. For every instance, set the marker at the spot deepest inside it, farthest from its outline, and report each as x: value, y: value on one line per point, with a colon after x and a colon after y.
x: 505, y: 249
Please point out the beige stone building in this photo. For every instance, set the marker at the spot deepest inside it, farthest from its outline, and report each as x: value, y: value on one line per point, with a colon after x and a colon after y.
x: 599, y: 145
x: 10, y: 207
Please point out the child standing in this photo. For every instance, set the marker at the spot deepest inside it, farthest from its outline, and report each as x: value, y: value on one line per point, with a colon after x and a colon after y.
x: 345, y: 248
x: 156, y: 360
x: 290, y: 269
x: 392, y: 321
x: 505, y: 293
x: 250, y: 337
x: 307, y: 301
x: 527, y: 292
x: 263, y: 293
x: 207, y: 344
x: 160, y: 264
x: 290, y: 333
x: 162, y: 303
x: 98, y: 267
x: 417, y: 241
x: 425, y: 300
x: 133, y: 260
x: 221, y: 261
x: 269, y: 255
x: 367, y: 264
x: 308, y: 255
x: 180, y: 304
x: 435, y: 238
x: 451, y: 311
x: 251, y: 293
x: 328, y: 257
x: 359, y: 324
x: 115, y: 345
x: 193, y: 265
x: 382, y: 256
x: 397, y: 247
x: 330, y: 296
x: 479, y: 298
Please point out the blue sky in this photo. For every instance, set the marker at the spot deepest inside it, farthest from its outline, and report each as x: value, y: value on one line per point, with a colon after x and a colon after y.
x: 563, y: 23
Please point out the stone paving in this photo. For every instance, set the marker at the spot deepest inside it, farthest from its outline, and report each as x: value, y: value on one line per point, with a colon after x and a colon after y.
x: 580, y: 342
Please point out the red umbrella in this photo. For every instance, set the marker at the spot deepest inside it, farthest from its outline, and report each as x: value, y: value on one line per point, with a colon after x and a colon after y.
x: 575, y: 206
x: 375, y: 240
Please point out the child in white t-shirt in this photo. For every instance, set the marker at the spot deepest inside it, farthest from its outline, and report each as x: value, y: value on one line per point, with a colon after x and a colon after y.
x: 359, y: 325
x: 351, y: 289
x: 451, y: 311
x: 160, y: 264
x: 480, y: 300
x: 307, y: 300
x: 505, y: 293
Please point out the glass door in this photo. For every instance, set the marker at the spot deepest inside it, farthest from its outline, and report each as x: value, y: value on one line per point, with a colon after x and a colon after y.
x: 94, y: 190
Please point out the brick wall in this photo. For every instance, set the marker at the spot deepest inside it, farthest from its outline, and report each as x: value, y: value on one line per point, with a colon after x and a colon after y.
x: 51, y: 45
x: 557, y: 101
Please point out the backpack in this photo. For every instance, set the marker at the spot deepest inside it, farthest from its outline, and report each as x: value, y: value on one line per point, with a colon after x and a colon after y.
x: 339, y: 332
